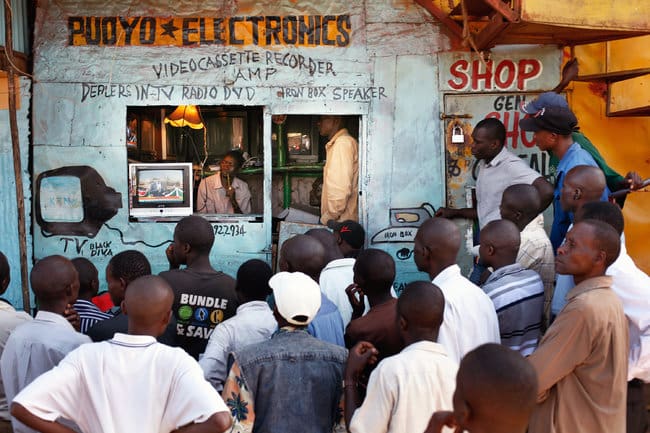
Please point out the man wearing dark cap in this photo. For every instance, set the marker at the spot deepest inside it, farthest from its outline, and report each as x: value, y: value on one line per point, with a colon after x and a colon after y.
x: 350, y: 237
x: 552, y: 127
x: 291, y: 383
x: 552, y: 99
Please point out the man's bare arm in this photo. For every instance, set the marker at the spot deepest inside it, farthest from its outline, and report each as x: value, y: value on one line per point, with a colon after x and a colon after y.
x: 39, y: 424
x: 217, y: 423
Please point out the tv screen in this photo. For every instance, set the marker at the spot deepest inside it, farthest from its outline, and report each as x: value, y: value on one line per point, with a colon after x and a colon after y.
x: 161, y: 189
x: 160, y: 186
x: 61, y: 199
x: 74, y: 200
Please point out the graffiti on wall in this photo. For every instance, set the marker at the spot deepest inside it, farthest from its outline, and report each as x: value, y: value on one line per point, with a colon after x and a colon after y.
x: 293, y: 30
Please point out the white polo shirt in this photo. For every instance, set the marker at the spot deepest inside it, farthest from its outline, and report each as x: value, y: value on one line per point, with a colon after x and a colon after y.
x: 405, y: 389
x: 128, y: 384
x: 469, y: 319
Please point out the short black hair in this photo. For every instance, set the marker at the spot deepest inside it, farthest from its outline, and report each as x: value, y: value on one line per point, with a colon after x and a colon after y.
x: 87, y: 272
x: 602, y: 211
x: 494, y: 127
x: 377, y: 269
x: 197, y: 232
x: 129, y: 265
x: 606, y: 238
x: 253, y: 280
x: 237, y: 156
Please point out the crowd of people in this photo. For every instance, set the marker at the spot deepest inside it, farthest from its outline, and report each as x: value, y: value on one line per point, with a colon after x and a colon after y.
x: 544, y: 337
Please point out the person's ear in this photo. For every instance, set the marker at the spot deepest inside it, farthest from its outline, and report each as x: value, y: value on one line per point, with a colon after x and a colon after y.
x: 490, y: 249
x: 403, y: 324
x: 518, y: 215
x: 166, y: 318
x: 4, y: 284
x: 577, y: 193
x: 462, y: 413
x: 123, y: 308
x: 601, y: 257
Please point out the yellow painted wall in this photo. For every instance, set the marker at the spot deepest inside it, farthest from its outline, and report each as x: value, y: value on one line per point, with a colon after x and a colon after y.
x: 625, y: 144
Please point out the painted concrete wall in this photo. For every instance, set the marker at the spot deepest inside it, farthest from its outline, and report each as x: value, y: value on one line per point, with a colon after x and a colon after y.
x: 384, y: 67
x: 386, y: 73
x: 9, y: 243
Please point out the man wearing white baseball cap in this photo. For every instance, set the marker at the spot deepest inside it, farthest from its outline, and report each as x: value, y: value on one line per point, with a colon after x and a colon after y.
x: 293, y: 382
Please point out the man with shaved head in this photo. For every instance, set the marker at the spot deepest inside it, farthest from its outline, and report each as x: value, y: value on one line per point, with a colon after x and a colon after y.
x: 582, y: 184
x: 38, y: 345
x: 470, y: 319
x: 203, y: 296
x: 553, y: 128
x: 496, y: 391
x: 517, y: 292
x: 130, y: 383
x: 405, y: 389
x: 518, y: 204
x: 306, y: 254
x: 581, y: 361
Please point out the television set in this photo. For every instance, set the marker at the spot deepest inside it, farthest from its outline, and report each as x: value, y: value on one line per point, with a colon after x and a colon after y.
x: 160, y: 190
x: 74, y: 200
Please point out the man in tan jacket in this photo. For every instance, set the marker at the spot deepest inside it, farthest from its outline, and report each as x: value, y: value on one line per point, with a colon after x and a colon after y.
x: 581, y: 362
x: 339, y: 201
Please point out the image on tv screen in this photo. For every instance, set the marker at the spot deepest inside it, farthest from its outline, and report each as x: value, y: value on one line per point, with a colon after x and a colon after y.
x: 61, y: 199
x: 160, y: 186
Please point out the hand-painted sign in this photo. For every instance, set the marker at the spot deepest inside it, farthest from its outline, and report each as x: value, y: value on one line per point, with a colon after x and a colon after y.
x: 265, y: 31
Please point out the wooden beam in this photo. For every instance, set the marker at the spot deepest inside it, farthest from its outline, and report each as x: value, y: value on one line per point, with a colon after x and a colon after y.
x: 18, y: 171
x: 487, y: 37
x: 503, y: 9
x: 442, y: 17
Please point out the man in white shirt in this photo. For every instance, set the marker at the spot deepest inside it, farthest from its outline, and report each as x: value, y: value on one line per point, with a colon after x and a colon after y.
x: 337, y: 274
x: 9, y: 319
x: 498, y: 168
x: 38, y: 345
x: 253, y: 323
x: 470, y: 319
x: 496, y: 391
x: 130, y: 383
x: 405, y: 389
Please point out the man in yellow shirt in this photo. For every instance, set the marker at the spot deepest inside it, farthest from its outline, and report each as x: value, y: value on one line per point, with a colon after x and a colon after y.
x: 341, y: 172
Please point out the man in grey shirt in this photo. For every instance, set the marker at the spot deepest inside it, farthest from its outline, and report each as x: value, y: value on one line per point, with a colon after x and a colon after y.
x: 38, y: 345
x: 253, y: 322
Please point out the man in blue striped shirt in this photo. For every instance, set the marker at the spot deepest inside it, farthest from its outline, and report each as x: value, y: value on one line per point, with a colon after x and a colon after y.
x: 88, y: 312
x: 517, y: 293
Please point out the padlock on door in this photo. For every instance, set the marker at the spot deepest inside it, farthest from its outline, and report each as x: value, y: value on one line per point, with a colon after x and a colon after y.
x: 457, y: 135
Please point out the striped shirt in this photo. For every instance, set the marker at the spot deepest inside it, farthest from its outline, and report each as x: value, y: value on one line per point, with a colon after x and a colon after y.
x: 518, y: 297
x: 89, y: 314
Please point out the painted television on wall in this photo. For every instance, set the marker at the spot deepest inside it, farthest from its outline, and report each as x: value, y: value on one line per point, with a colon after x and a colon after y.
x: 160, y: 190
x: 74, y: 200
